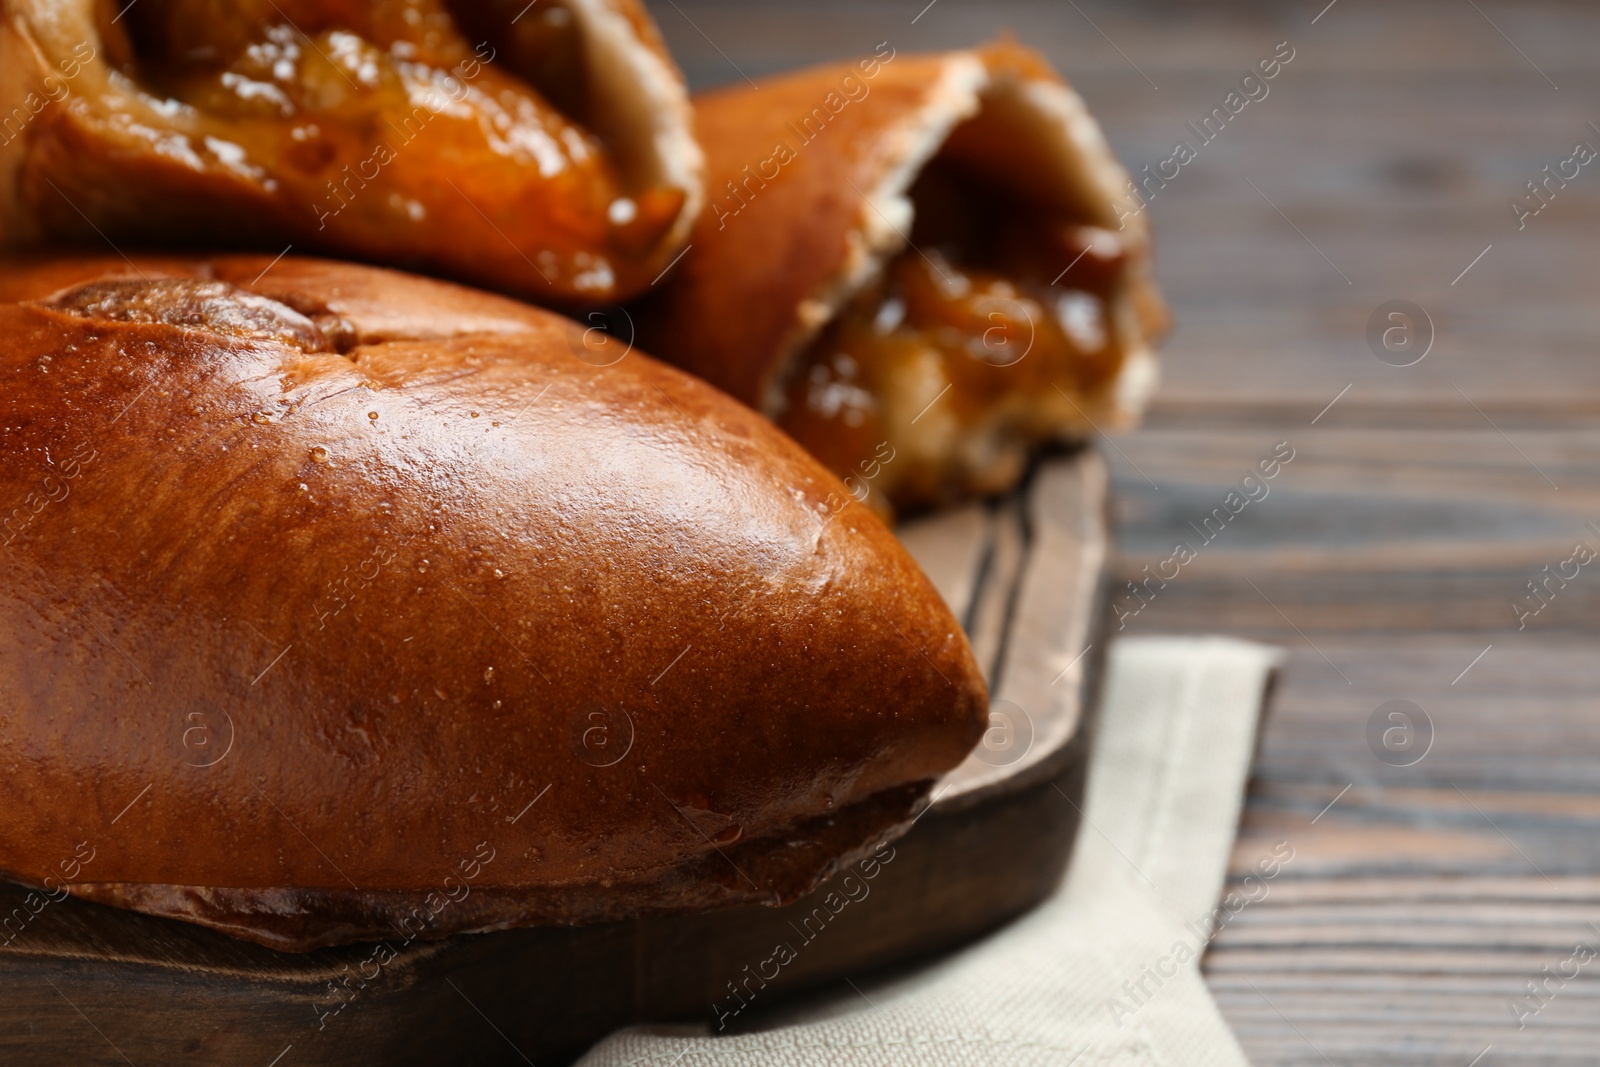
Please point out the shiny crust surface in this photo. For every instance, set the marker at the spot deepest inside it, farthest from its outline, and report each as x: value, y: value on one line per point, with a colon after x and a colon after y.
x: 370, y: 591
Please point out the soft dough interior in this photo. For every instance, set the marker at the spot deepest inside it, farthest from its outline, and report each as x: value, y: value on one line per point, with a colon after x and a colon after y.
x: 995, y: 331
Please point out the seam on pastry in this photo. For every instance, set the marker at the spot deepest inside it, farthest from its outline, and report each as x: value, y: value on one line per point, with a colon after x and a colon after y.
x: 298, y: 919
x: 203, y: 305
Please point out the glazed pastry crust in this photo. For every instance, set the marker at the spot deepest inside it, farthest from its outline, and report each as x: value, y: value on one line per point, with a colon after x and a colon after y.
x: 324, y: 582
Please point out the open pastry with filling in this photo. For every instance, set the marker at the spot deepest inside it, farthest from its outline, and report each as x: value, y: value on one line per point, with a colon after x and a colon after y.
x: 916, y: 266
x: 543, y: 150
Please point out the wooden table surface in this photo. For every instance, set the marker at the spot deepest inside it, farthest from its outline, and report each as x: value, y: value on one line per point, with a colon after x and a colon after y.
x: 1389, y: 553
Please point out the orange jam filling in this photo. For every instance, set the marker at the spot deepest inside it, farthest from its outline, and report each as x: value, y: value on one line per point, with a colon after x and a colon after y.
x: 967, y: 354
x: 368, y: 113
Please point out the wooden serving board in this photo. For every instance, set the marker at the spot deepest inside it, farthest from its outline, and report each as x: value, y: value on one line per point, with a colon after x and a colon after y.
x: 86, y: 984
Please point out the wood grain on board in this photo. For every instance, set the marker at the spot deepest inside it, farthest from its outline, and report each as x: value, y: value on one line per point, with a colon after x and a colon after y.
x: 1390, y: 551
x: 87, y: 984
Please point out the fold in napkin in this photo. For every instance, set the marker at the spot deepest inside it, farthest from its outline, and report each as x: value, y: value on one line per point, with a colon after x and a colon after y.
x: 1104, y: 972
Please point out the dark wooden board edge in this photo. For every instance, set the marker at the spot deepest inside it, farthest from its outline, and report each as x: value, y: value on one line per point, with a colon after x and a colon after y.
x: 1065, y: 512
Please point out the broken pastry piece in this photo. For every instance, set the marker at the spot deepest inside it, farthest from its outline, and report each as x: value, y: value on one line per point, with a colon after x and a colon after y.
x: 916, y: 266
x: 546, y: 153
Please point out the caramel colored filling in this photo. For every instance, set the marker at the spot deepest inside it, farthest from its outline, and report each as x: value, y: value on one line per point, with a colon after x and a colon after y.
x: 977, y: 345
x: 363, y: 115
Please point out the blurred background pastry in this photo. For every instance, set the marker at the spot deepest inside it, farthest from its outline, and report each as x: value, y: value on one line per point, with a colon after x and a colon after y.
x: 917, y: 265
x: 546, y: 153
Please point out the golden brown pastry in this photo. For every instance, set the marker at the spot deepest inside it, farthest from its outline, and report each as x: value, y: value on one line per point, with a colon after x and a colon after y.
x: 916, y: 265
x: 340, y: 604
x: 543, y: 150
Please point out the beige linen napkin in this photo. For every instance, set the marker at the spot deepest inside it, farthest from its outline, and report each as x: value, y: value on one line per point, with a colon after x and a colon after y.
x: 1107, y: 970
